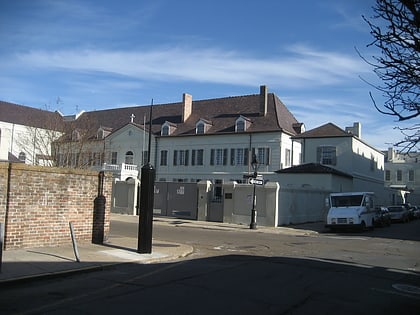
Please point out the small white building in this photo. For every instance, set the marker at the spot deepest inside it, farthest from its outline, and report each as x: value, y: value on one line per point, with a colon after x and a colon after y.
x: 26, y: 134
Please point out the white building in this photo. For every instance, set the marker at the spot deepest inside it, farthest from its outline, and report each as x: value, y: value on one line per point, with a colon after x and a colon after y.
x: 211, y: 139
x: 26, y: 134
x: 402, y: 174
x: 339, y: 160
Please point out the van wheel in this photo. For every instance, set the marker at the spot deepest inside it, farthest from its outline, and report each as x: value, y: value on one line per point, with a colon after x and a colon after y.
x: 362, y: 226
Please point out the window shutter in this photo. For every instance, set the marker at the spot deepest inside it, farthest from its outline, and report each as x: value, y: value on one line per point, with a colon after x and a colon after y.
x: 175, y: 157
x: 186, y: 156
x: 267, y: 156
x: 192, y: 157
x: 212, y: 157
x: 246, y: 155
x: 232, y: 156
x: 334, y: 156
x: 225, y: 156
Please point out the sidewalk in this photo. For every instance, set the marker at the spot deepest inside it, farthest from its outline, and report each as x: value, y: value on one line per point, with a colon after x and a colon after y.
x: 28, y: 264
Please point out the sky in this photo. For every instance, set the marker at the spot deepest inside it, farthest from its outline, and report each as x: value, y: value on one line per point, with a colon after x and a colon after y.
x: 92, y: 55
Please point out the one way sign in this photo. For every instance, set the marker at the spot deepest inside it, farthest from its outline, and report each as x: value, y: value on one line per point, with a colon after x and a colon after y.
x: 256, y: 181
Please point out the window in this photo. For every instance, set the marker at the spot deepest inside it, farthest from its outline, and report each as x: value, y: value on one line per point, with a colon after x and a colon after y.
x: 197, y: 157
x: 165, y: 130
x: 200, y: 157
x: 114, y: 157
x: 288, y: 157
x: 411, y: 175
x: 387, y: 175
x: 263, y: 155
x: 239, y: 156
x: 129, y: 157
x: 164, y: 157
x: 200, y: 128
x: 181, y: 157
x: 240, y: 126
x: 22, y: 156
x: 218, y: 156
x: 327, y: 155
x: 75, y: 135
x: 399, y: 175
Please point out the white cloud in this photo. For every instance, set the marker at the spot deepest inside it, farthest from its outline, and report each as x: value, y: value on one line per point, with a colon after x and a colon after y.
x: 300, y: 65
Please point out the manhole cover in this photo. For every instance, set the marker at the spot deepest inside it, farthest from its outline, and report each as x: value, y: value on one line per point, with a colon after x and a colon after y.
x: 406, y: 288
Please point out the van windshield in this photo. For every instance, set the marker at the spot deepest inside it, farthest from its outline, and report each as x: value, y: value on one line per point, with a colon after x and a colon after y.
x: 346, y: 201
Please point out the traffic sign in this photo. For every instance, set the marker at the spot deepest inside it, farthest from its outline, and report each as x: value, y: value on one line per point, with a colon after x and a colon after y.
x: 256, y: 181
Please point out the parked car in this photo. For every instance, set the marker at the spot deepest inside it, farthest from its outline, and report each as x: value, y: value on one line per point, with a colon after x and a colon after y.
x: 414, y: 212
x: 382, y: 217
x: 399, y: 213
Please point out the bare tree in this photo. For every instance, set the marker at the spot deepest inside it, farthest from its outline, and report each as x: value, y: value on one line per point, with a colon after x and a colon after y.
x: 396, y: 34
x: 81, y: 145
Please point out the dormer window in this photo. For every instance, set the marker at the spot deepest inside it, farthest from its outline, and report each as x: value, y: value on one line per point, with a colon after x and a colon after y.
x: 242, y: 124
x: 102, y: 133
x: 167, y: 128
x: 75, y: 135
x: 202, y: 126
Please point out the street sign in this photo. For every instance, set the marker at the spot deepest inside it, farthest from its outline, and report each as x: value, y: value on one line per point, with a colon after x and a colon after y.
x: 256, y: 181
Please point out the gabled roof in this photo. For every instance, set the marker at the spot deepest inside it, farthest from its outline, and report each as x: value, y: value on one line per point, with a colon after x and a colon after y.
x: 325, y: 131
x: 28, y: 116
x: 312, y: 168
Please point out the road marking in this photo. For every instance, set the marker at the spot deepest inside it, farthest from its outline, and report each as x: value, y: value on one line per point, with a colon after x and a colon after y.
x: 348, y: 238
x: 396, y: 293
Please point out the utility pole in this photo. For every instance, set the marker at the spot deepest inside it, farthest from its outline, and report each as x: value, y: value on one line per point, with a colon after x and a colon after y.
x: 147, y: 190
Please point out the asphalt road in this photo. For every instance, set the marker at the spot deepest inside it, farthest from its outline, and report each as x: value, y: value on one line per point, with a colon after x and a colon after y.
x: 244, y: 272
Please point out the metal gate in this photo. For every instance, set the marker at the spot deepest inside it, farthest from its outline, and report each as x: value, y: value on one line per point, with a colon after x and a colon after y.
x: 176, y: 200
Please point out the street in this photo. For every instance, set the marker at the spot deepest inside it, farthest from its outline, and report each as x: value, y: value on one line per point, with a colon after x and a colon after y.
x: 244, y: 272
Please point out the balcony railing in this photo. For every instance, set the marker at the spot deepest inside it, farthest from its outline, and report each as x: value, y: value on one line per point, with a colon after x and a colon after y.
x: 122, y: 171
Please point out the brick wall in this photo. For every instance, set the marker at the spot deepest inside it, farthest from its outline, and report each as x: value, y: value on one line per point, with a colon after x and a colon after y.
x: 37, y: 203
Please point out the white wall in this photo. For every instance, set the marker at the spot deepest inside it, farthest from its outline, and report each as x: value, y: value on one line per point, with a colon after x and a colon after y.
x: 277, y: 142
x: 29, y: 140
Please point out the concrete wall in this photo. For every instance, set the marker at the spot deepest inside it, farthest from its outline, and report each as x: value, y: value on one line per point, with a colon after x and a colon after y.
x: 37, y: 203
x: 300, y: 205
x: 124, y: 196
x: 238, y: 203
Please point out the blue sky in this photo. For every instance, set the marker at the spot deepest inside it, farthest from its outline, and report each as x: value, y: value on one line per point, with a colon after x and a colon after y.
x: 91, y: 55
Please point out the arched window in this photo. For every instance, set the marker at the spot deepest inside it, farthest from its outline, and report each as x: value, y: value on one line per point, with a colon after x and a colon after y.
x: 240, y: 126
x: 165, y: 130
x: 22, y: 156
x: 200, y: 128
x: 129, y: 157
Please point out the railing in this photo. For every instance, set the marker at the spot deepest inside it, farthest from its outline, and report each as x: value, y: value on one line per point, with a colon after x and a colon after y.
x: 123, y: 170
x: 119, y: 167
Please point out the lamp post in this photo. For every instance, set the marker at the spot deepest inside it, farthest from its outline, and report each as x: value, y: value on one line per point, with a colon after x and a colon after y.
x: 254, y: 165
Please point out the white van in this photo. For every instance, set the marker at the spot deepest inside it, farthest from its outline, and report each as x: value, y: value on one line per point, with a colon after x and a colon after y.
x: 351, y: 210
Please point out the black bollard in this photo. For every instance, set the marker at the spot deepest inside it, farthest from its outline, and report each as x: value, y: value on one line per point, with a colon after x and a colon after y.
x: 147, y: 191
x: 98, y: 229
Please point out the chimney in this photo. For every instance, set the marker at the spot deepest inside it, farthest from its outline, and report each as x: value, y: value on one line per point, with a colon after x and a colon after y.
x: 186, y: 106
x: 263, y: 100
x: 356, y: 130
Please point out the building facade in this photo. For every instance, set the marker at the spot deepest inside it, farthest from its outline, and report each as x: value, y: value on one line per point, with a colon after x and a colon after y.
x: 26, y: 134
x: 402, y: 174
x: 345, y: 151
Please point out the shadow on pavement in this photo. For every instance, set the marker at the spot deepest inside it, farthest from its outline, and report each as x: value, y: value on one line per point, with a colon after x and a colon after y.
x: 227, y: 284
